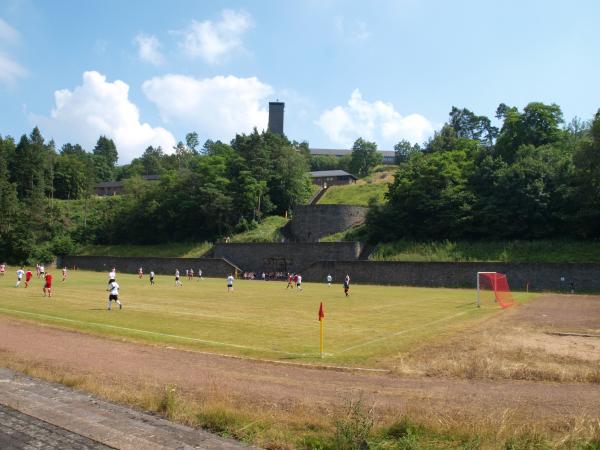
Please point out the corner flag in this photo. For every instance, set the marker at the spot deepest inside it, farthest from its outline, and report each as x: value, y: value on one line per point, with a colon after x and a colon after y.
x: 321, y: 320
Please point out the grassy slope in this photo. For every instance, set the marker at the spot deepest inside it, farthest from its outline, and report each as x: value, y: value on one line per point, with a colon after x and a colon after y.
x: 266, y: 231
x: 511, y: 251
x: 178, y: 249
x: 202, y: 315
x: 359, y: 193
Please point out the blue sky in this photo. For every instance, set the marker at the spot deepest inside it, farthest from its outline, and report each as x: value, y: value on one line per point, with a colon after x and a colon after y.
x: 148, y: 72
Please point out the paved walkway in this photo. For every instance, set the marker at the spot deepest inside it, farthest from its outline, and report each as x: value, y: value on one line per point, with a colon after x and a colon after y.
x: 38, y: 414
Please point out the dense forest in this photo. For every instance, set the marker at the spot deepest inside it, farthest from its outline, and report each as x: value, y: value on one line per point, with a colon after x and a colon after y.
x: 531, y: 177
x: 203, y: 192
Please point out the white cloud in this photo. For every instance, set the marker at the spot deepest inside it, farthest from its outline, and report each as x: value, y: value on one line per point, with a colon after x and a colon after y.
x: 354, y: 31
x: 377, y: 121
x: 7, y: 33
x: 149, y: 49
x: 215, y: 41
x: 216, y: 108
x: 99, y: 107
x: 10, y: 70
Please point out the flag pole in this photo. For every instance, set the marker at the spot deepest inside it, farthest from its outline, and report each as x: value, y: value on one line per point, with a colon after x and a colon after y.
x: 321, y: 321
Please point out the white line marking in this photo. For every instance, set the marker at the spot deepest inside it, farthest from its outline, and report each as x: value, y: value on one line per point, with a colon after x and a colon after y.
x: 154, y: 333
x: 402, y: 332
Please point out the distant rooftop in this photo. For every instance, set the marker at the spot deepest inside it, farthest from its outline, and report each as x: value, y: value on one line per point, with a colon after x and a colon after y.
x: 331, y: 173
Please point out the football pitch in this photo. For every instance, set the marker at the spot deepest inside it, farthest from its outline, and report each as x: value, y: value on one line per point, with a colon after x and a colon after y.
x: 260, y: 319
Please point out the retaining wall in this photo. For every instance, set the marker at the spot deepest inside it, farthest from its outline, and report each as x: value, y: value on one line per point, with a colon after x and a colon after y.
x: 540, y: 276
x: 211, y: 267
x: 285, y: 257
x: 312, y: 222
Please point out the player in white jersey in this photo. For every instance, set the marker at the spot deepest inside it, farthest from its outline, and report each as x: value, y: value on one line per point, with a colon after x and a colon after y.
x: 199, y: 274
x: 177, y: 282
x: 112, y: 275
x: 151, y: 278
x: 230, y: 283
x: 329, y: 279
x: 113, y: 287
x: 64, y: 273
x: 299, y: 282
x: 20, y: 274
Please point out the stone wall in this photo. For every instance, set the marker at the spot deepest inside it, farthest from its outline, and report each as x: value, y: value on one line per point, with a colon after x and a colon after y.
x: 312, y: 222
x: 540, y: 276
x: 211, y: 267
x: 285, y: 257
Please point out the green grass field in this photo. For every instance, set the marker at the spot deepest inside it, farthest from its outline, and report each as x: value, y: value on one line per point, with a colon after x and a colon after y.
x: 260, y: 319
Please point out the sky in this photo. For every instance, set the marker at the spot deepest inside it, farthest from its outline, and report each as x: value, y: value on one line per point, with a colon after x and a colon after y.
x: 149, y: 72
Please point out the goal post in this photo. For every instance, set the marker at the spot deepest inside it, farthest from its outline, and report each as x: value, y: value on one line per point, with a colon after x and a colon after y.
x: 497, y: 283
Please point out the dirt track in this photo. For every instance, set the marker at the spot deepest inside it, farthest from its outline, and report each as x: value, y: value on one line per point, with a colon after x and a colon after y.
x: 277, y: 386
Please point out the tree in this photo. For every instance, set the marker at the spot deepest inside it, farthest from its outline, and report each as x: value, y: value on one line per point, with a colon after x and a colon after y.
x: 72, y: 178
x: 444, y: 140
x: 28, y: 165
x: 106, y: 149
x: 183, y: 155
x: 192, y: 142
x: 152, y: 160
x: 587, y: 180
x: 364, y: 157
x: 537, y: 125
x: 324, y: 162
x: 429, y: 198
x: 403, y: 150
x: 470, y: 126
x: 8, y: 195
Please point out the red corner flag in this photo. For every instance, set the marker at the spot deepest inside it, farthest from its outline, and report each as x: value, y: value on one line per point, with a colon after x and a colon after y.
x: 321, y: 312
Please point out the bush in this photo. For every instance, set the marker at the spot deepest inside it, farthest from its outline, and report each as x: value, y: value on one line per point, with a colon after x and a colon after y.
x: 352, y: 430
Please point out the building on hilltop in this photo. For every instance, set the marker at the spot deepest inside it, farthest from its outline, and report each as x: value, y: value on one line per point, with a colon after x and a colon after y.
x: 116, y: 187
x: 389, y: 156
x: 326, y: 178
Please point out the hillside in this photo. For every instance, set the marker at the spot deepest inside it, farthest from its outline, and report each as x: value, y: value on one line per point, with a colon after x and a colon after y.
x: 359, y: 193
x: 542, y: 251
x: 265, y: 231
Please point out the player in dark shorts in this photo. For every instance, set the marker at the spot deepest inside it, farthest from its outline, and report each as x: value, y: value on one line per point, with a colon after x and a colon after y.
x: 113, y: 287
x: 347, y: 285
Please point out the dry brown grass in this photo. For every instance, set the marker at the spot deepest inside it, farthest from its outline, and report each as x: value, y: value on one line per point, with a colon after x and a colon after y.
x: 287, y: 426
x: 498, y: 350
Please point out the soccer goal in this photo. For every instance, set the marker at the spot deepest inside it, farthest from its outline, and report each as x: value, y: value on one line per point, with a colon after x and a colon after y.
x: 498, y: 284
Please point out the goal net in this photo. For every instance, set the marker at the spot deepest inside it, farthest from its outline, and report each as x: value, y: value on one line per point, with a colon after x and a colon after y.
x: 498, y: 284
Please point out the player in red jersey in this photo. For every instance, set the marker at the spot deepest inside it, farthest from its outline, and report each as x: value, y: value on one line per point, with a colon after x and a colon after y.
x: 48, y: 285
x: 290, y: 281
x: 28, y: 276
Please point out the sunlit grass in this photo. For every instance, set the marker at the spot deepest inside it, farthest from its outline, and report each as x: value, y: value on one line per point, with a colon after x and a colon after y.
x: 260, y: 319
